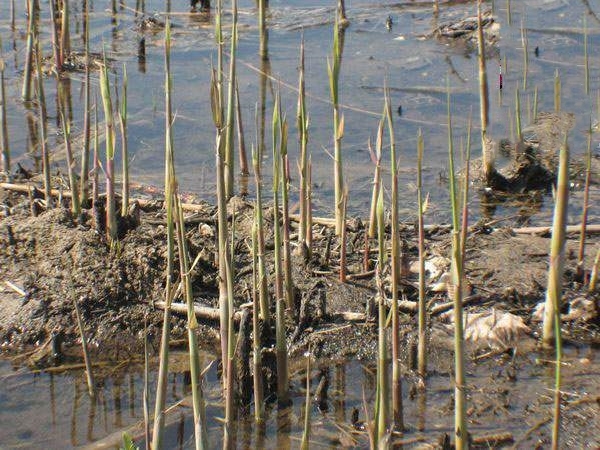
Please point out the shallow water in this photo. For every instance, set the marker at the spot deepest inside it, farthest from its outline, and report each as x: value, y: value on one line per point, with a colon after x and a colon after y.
x: 54, y: 411
x: 416, y: 71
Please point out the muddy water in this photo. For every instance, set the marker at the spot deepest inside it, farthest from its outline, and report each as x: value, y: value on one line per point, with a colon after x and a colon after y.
x: 416, y: 70
x: 506, y: 395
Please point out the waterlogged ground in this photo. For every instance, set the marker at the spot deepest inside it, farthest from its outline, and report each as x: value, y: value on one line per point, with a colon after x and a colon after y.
x: 52, y: 410
x: 416, y: 68
x: 508, y: 395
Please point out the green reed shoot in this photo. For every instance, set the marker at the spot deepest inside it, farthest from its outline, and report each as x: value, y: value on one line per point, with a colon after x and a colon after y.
x: 66, y: 126
x: 557, y: 249
x: 552, y: 326
x: 3, y: 122
x: 280, y: 338
x: 85, y: 151
x: 465, y: 193
x: 260, y: 243
x: 200, y: 433
x: 125, y: 154
x: 222, y: 221
x: 304, y: 445
x: 240, y: 134
x: 302, y: 124
x: 262, y: 29
x: 557, y: 91
x: 31, y: 32
x: 259, y: 407
x: 488, y: 160
x: 382, y: 404
x: 594, y: 273
x: 89, y: 374
x: 333, y: 70
x: 460, y: 420
x: 586, y: 200
x: 344, y: 238
x: 525, y: 44
x: 396, y: 271
x: 586, y: 60
x: 535, y: 103
x: 422, y: 333
x: 111, y: 218
x: 163, y: 370
x: 65, y: 35
x: 43, y: 119
x: 518, y: 114
x: 285, y: 189
x: 376, y: 157
x: 229, y: 124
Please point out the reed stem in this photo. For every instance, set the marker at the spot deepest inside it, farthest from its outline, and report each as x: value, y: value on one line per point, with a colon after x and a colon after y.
x: 333, y: 69
x: 31, y: 35
x: 125, y: 151
x: 43, y: 119
x: 422, y: 343
x: 3, y: 122
x: 557, y: 249
x: 584, y: 210
x: 89, y: 374
x: 85, y: 152
x: 229, y: 124
x: 488, y: 160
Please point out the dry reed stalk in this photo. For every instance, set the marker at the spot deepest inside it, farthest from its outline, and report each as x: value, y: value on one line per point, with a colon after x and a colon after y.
x: 124, y: 147
x: 5, y: 153
x: 584, y: 210
x: 259, y: 407
x: 302, y: 124
x: 42, y: 119
x: 29, y: 56
x: 229, y: 121
x: 85, y: 151
x: 243, y: 159
x: 488, y: 160
x: 344, y: 238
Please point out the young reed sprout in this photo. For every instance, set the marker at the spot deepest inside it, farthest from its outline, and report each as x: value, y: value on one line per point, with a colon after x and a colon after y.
x: 382, y: 403
x: 304, y: 445
x: 552, y: 326
x: 85, y: 152
x: 110, y: 135
x: 285, y: 189
x: 280, y: 338
x: 42, y: 119
x: 229, y: 124
x: 31, y: 32
x: 488, y: 161
x: 376, y: 158
x: 584, y: 211
x: 557, y: 93
x: 457, y: 276
x: 125, y: 152
x: 89, y: 374
x: 65, y: 35
x: 200, y: 434
x: 260, y: 244
x: 5, y: 153
x: 422, y: 340
x: 525, y: 44
x: 333, y: 70
x: 66, y: 126
x: 594, y: 273
x: 396, y: 272
x: 244, y: 171
x: 259, y: 407
x: 518, y: 114
x: 557, y: 249
x: 586, y: 60
x: 163, y: 370
x: 302, y: 123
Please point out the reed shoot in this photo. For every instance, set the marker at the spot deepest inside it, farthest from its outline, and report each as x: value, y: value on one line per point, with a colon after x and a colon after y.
x: 557, y: 93
x: 584, y: 210
x: 488, y: 160
x: 125, y: 152
x: 259, y: 407
x: 31, y: 32
x: 557, y: 250
x: 302, y: 123
x: 5, y: 153
x: 457, y: 276
x: 111, y: 217
x: 422, y: 333
x: 333, y: 70
x: 43, y: 119
x: 229, y: 123
x: 85, y: 152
